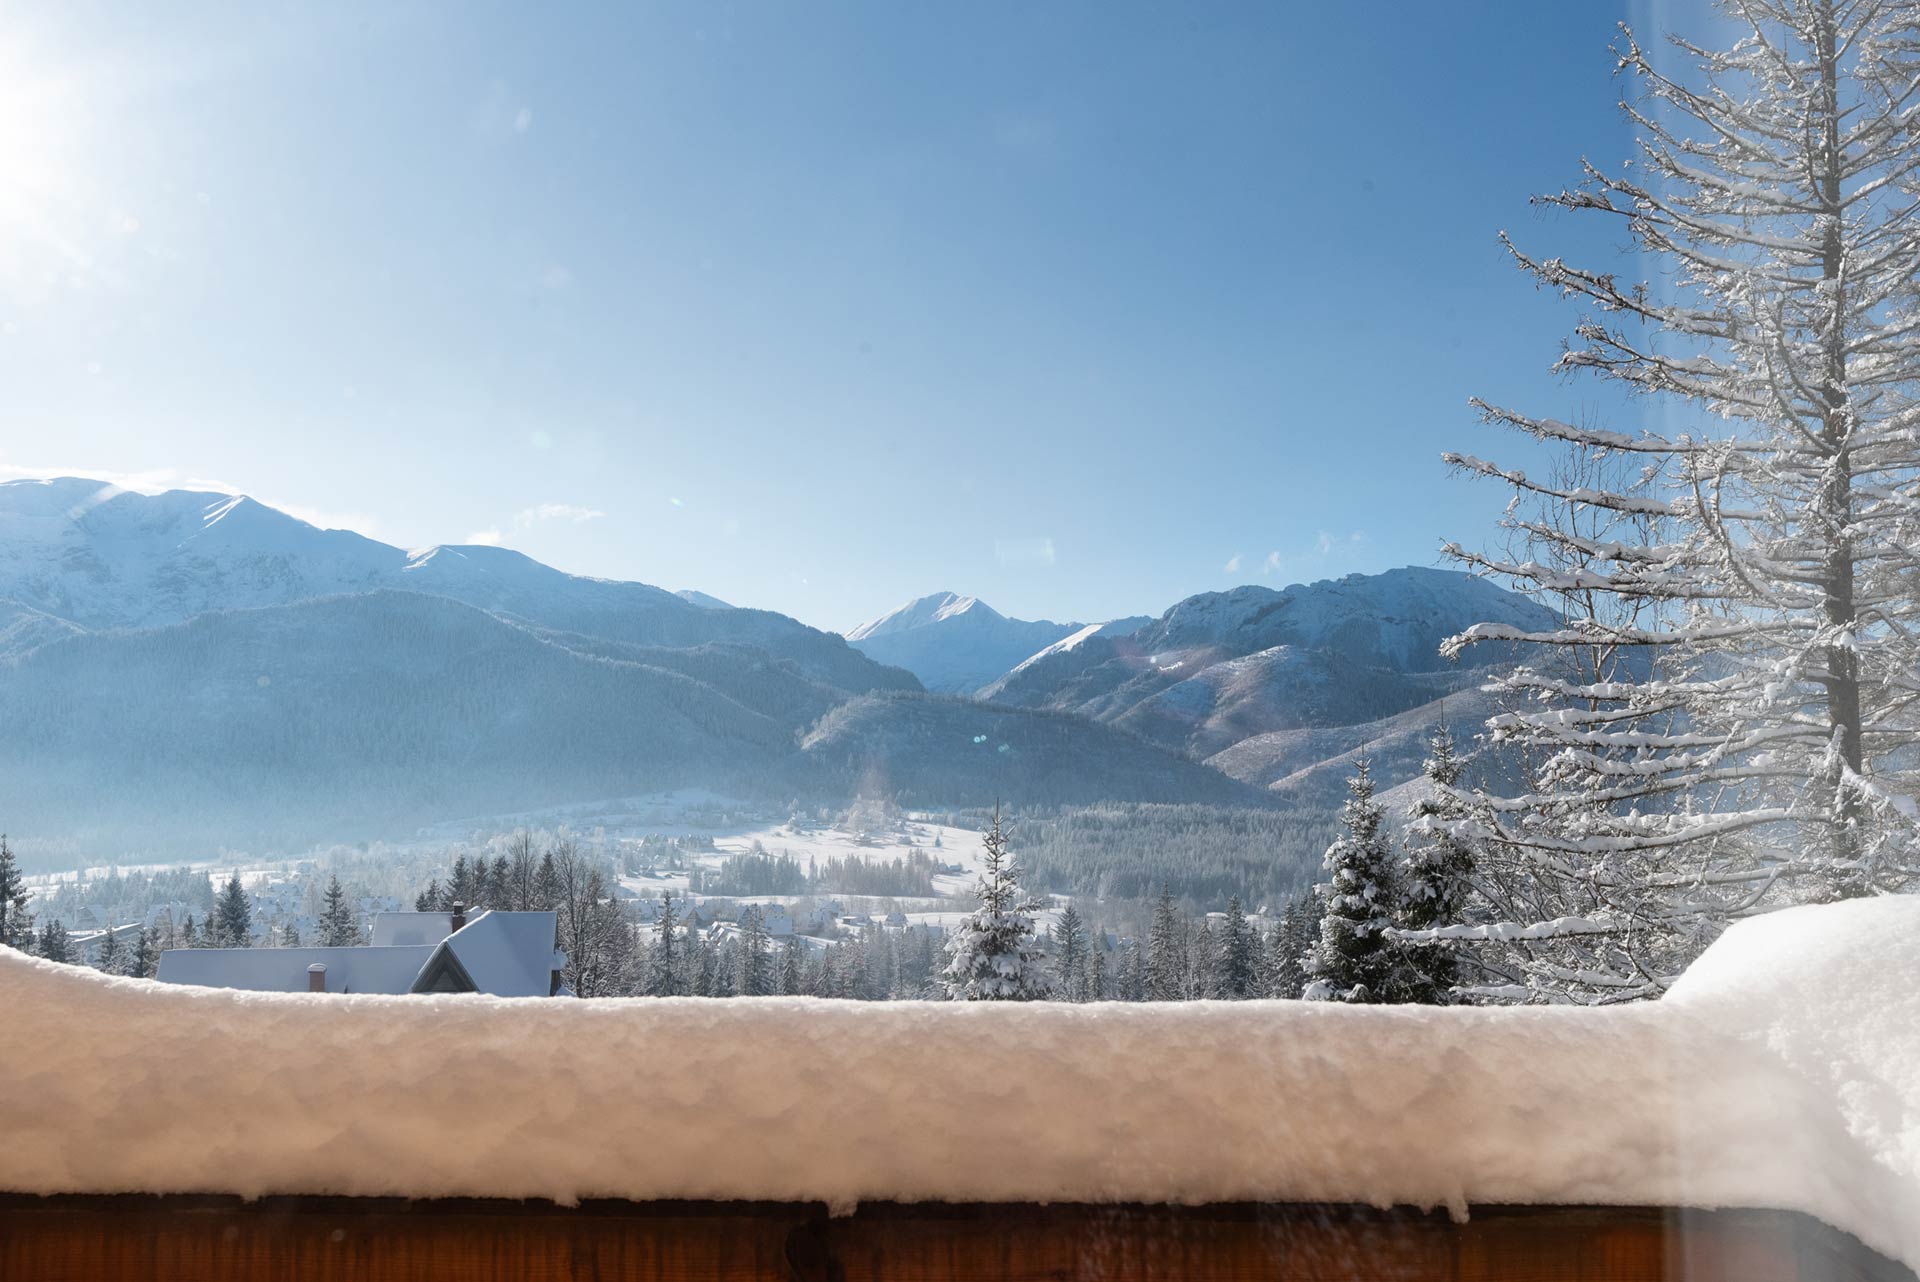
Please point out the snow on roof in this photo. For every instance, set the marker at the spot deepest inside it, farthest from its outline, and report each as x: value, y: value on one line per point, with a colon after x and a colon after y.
x: 1783, y: 1072
x: 410, y: 928
x: 284, y: 970
x: 508, y: 954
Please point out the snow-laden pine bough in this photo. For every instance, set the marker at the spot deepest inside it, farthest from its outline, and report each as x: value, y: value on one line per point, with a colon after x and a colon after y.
x: 1782, y: 1074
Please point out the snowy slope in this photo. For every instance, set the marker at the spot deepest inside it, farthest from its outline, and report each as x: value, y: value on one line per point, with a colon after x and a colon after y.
x: 954, y: 644
x: 694, y: 597
x: 102, y: 557
x: 1783, y: 1073
x: 1255, y: 664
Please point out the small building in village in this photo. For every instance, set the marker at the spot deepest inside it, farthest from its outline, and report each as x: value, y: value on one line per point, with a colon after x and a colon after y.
x: 505, y: 954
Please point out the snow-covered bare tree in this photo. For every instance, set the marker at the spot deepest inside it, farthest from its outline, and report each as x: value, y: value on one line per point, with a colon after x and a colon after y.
x: 1747, y: 574
x: 992, y: 955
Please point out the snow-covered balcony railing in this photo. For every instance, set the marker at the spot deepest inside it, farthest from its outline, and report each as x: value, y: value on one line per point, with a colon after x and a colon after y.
x: 1764, y: 1117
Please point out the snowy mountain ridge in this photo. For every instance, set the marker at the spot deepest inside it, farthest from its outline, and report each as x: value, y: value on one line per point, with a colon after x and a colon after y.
x: 955, y: 644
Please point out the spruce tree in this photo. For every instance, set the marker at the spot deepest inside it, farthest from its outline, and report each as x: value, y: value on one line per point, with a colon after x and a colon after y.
x: 112, y: 956
x: 992, y: 954
x: 337, y: 926
x: 1166, y: 953
x: 755, y: 965
x: 144, y: 957
x: 233, y: 915
x: 289, y: 936
x: 663, y: 970
x: 1239, y: 979
x: 1354, y: 960
x: 16, y: 925
x: 791, y: 978
x: 1070, y: 955
x: 55, y: 944
x: 1435, y: 877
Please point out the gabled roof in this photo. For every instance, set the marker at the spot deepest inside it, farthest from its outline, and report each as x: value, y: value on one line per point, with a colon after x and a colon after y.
x: 501, y: 953
x: 411, y: 928
x: 284, y: 970
x: 508, y: 954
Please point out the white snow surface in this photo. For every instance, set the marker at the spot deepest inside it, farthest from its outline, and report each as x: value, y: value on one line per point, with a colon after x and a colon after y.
x: 1783, y: 1072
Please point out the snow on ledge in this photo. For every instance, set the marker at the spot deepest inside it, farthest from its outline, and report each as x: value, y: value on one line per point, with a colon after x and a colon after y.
x: 1783, y: 1072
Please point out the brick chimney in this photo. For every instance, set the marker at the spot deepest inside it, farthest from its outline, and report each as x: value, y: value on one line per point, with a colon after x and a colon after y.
x: 459, y: 915
x: 317, y: 978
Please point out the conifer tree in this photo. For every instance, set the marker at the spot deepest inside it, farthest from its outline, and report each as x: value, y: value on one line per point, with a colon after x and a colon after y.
x: 112, y: 955
x: 1239, y: 978
x: 1165, y: 979
x: 337, y: 926
x: 16, y: 925
x: 755, y: 964
x: 663, y: 970
x: 144, y: 958
x: 189, y: 936
x: 1070, y: 954
x: 1722, y: 723
x: 1353, y: 960
x: 233, y: 915
x: 1435, y: 877
x: 992, y: 954
x: 792, y: 980
x: 55, y: 944
x: 289, y: 935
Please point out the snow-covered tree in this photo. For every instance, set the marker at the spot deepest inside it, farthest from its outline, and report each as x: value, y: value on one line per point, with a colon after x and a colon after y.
x: 143, y: 957
x: 289, y: 935
x: 1353, y: 960
x: 663, y: 970
x: 112, y: 955
x: 232, y: 920
x: 992, y: 955
x: 55, y: 943
x: 1166, y: 977
x: 756, y: 976
x: 1238, y: 977
x: 792, y: 980
x: 1070, y: 954
x: 16, y: 926
x: 1750, y: 580
x: 1435, y: 880
x: 1293, y: 938
x: 337, y: 926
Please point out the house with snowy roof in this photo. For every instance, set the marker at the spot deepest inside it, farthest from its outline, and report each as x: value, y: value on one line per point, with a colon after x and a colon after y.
x: 506, y: 954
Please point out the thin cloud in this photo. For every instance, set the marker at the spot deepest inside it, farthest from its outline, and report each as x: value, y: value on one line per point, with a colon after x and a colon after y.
x: 486, y: 538
x: 1024, y: 551
x: 544, y: 512
x: 1233, y: 564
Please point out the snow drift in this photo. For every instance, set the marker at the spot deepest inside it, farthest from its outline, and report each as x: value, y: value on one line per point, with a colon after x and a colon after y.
x: 1783, y: 1072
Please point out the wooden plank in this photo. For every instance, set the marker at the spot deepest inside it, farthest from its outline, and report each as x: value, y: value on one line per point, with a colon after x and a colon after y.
x: 205, y: 1239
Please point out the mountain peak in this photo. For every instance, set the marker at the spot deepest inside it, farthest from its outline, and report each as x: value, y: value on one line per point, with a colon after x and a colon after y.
x: 935, y: 607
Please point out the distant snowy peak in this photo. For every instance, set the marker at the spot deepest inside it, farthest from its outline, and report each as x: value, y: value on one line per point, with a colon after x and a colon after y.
x: 701, y: 599
x: 938, y: 607
x: 955, y: 644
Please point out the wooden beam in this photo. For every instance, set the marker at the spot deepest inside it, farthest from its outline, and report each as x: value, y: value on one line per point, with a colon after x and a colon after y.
x: 217, y: 1239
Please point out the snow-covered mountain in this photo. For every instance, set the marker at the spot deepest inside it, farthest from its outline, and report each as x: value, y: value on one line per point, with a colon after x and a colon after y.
x: 959, y: 644
x: 1236, y: 678
x: 98, y: 556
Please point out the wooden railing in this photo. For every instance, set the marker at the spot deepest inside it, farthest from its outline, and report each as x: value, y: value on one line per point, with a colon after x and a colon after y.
x: 221, y: 1239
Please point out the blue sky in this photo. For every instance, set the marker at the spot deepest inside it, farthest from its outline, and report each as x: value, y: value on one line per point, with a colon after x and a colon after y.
x: 1078, y: 308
